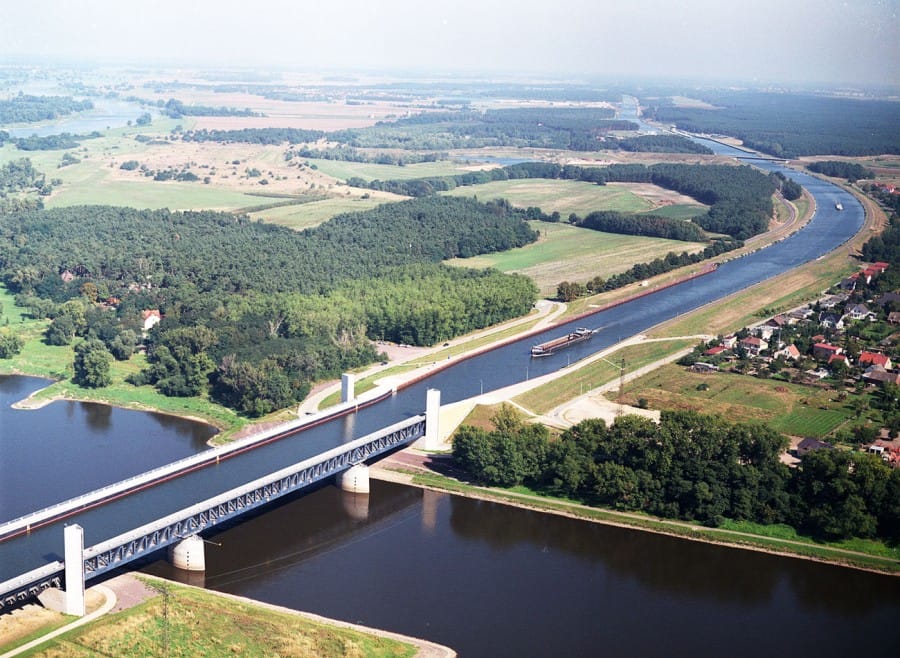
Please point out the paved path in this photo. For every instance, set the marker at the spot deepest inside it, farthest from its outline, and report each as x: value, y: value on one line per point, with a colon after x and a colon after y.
x: 108, y: 604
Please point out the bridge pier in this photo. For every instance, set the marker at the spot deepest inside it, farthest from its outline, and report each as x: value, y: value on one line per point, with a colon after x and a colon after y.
x: 432, y: 418
x: 348, y: 387
x: 355, y: 479
x: 188, y: 554
x: 73, y: 536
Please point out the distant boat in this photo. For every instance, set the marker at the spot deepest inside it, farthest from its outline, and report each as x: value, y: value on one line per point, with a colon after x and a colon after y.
x: 838, y: 206
x: 551, y: 346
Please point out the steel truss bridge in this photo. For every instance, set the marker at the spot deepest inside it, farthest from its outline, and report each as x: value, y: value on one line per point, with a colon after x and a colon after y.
x: 140, y: 542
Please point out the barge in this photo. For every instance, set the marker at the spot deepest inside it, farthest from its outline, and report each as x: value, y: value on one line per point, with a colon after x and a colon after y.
x: 551, y: 346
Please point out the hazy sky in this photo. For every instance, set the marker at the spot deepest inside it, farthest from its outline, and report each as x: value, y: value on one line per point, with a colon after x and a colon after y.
x: 790, y: 40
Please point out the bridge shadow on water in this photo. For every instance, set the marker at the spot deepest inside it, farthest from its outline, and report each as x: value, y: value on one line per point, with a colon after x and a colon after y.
x: 297, y: 528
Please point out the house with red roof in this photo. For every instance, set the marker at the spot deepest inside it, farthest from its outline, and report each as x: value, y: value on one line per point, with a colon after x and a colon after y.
x: 754, y: 345
x: 715, y: 351
x: 824, y: 351
x: 874, y: 359
x: 151, y: 318
x: 789, y: 352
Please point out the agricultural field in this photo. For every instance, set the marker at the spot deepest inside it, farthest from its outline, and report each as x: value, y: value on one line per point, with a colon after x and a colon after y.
x: 306, y: 215
x: 568, y: 253
x: 566, y: 196
x: 792, y: 409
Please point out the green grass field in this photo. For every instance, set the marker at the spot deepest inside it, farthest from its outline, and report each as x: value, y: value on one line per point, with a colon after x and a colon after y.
x: 677, y: 211
x: 568, y: 253
x: 305, y: 215
x: 793, y: 409
x: 563, y: 196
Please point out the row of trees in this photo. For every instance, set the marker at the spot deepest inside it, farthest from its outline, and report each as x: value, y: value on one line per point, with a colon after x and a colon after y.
x: 254, y: 135
x: 176, y: 109
x: 692, y: 467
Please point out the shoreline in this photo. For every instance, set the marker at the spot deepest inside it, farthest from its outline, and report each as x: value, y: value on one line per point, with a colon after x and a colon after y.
x: 689, y: 531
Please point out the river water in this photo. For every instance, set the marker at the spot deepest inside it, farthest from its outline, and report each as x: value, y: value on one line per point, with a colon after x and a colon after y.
x: 493, y: 581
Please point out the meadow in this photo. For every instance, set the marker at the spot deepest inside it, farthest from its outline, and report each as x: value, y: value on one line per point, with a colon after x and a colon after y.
x: 568, y: 253
x: 793, y: 409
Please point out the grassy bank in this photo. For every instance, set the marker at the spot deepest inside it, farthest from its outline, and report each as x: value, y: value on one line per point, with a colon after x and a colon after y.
x: 186, y: 621
x: 602, y: 371
x: 872, y: 556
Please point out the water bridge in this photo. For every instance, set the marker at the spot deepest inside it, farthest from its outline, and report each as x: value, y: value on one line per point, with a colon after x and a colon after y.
x: 346, y: 462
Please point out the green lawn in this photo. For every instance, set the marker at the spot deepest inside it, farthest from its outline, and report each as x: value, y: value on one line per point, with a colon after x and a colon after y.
x: 564, y: 196
x: 568, y: 253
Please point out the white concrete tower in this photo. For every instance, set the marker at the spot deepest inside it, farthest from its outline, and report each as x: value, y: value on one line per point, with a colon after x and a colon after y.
x: 74, y: 555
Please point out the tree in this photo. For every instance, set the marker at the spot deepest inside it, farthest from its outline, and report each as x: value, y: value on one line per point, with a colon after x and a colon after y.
x: 92, y: 364
x: 10, y: 344
x: 61, y: 331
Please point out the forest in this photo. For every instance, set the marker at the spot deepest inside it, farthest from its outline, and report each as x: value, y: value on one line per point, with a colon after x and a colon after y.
x: 655, y: 144
x: 23, y: 108
x: 792, y: 125
x: 692, y: 467
x: 253, y: 313
x: 56, y: 142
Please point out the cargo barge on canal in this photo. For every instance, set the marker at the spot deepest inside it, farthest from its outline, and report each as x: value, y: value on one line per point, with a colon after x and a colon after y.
x: 551, y: 346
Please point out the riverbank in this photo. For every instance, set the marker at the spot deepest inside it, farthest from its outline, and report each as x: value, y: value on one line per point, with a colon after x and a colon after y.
x: 418, y: 469
x: 126, y: 611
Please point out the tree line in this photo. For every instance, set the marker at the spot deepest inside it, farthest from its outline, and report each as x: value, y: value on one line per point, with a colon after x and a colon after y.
x: 852, y: 171
x: 23, y: 108
x: 691, y: 467
x: 254, y: 135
